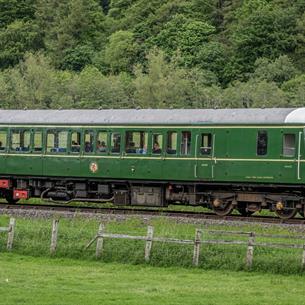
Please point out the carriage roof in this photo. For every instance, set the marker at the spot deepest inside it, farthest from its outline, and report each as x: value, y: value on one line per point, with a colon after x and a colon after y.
x: 255, y: 116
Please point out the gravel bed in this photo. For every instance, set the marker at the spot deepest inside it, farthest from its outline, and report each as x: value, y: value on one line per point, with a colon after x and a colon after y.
x: 146, y: 219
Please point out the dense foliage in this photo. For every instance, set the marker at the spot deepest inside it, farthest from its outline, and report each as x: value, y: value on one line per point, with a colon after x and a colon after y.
x: 157, y: 53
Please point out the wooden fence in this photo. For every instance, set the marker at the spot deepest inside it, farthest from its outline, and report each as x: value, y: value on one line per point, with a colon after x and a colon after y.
x: 198, y: 241
x: 10, y: 230
x: 201, y: 238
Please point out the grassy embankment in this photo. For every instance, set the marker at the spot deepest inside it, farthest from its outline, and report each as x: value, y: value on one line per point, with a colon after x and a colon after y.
x: 45, y: 281
x: 33, y: 238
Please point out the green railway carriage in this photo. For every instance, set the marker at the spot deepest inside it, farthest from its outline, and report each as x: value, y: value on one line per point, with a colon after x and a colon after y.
x: 224, y: 159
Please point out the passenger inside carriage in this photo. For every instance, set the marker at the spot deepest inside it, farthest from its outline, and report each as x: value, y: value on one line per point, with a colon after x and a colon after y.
x: 131, y: 149
x: 156, y: 148
x: 88, y: 147
x: 101, y: 146
x: 75, y: 147
x: 1, y: 147
x: 142, y: 150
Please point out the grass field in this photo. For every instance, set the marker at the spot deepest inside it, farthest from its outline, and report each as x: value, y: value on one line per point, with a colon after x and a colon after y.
x: 45, y: 281
x: 33, y: 238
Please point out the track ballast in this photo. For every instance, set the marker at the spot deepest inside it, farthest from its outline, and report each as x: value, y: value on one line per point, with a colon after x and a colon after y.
x: 5, y: 207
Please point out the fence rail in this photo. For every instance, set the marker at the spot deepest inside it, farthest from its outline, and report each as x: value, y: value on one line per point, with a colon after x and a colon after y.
x: 198, y: 241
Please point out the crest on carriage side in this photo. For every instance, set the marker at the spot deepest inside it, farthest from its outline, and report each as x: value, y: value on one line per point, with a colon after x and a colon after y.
x: 93, y: 167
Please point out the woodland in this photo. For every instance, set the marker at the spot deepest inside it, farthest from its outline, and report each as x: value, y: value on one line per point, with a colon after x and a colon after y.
x: 152, y: 53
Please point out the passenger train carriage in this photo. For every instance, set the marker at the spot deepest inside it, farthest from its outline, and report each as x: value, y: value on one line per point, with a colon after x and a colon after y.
x: 223, y: 159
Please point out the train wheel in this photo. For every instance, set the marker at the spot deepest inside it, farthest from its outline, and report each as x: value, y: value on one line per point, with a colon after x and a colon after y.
x: 286, y: 213
x: 222, y: 207
x: 9, y: 198
x: 285, y: 210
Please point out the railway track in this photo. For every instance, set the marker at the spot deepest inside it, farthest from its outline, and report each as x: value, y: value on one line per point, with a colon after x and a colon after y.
x: 4, y: 207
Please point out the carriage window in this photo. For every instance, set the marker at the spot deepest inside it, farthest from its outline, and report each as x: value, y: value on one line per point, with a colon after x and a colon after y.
x: 288, y: 145
x: 89, y: 140
x: 3, y: 140
x: 37, y: 144
x: 75, y: 142
x: 115, y: 142
x: 171, y: 142
x: 20, y: 140
x: 101, y: 143
x: 206, y: 144
x: 185, y: 143
x: 262, y: 143
x: 157, y: 141
x: 57, y: 141
x: 136, y: 142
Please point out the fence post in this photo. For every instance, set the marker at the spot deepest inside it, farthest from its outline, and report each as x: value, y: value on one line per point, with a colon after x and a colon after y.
x: 148, y: 244
x: 11, y: 233
x: 250, y: 250
x: 197, y: 244
x: 54, y: 235
x: 303, y: 258
x: 99, y: 241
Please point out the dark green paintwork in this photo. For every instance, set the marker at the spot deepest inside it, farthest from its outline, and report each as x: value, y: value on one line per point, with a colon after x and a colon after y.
x: 234, y: 158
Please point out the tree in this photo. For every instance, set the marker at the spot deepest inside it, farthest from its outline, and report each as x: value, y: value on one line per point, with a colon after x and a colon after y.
x: 165, y: 85
x: 16, y: 10
x: 212, y: 56
x: 16, y: 39
x: 91, y: 89
x: 185, y: 35
x: 32, y: 83
x: 278, y: 71
x: 262, y: 30
x: 77, y: 58
x: 120, y: 53
x: 300, y: 37
x: 71, y: 24
x: 4, y: 91
x: 295, y: 90
x: 254, y: 94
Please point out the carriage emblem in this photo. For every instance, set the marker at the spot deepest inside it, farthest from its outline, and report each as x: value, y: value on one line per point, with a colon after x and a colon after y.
x: 93, y: 167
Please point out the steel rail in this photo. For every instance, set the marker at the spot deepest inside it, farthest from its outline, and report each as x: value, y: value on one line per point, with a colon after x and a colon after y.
x: 147, y: 211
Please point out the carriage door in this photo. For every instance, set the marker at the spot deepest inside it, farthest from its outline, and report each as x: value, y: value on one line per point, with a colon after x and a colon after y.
x: 205, y: 143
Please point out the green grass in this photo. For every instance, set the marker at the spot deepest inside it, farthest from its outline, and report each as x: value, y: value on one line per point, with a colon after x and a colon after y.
x: 33, y: 238
x: 45, y: 281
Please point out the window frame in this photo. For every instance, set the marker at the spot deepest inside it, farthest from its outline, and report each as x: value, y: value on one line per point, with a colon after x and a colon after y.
x: 262, y: 131
x: 190, y: 145
x: 295, y: 144
x: 71, y: 132
x: 106, y: 142
x: 57, y: 130
x: 159, y: 133
x: 211, y: 139
x: 111, y: 147
x: 13, y: 130
x: 3, y: 151
x: 138, y: 150
x: 166, y: 143
x: 43, y: 148
x: 83, y: 146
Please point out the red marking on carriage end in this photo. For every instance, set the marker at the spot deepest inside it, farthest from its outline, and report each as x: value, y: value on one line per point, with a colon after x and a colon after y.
x: 4, y: 184
x: 21, y: 194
